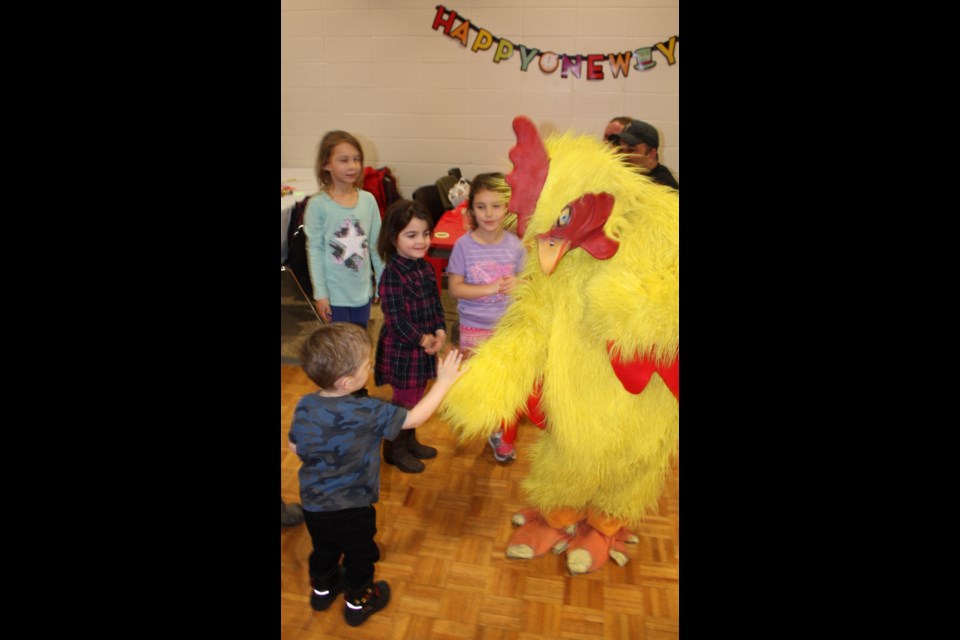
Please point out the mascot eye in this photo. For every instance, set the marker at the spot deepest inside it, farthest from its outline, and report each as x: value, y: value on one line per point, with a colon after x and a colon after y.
x: 564, y: 218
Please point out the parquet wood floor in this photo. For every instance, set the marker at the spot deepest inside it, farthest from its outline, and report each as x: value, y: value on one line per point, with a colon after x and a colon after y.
x: 442, y: 535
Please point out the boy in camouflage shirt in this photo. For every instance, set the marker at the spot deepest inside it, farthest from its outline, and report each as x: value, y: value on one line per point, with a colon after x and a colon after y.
x: 337, y: 437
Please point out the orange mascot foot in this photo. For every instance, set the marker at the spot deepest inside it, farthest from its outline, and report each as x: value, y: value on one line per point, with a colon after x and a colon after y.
x: 590, y: 548
x: 535, y: 536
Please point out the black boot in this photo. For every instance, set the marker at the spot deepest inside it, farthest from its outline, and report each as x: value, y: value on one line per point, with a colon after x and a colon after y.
x: 360, y: 606
x: 326, y: 589
x: 395, y: 453
x: 418, y: 449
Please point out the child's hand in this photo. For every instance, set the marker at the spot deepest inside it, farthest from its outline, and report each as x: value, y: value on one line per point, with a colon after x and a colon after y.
x: 323, y: 309
x: 449, y: 369
x: 426, y: 341
x: 440, y: 339
x: 507, y: 283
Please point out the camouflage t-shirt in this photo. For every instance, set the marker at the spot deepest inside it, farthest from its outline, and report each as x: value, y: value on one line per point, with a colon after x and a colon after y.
x: 338, y: 440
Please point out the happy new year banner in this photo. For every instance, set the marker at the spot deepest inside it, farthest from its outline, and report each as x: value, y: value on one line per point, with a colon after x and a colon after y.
x: 569, y: 64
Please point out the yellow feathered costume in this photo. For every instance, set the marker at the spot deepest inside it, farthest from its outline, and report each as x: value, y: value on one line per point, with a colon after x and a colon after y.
x: 594, y: 328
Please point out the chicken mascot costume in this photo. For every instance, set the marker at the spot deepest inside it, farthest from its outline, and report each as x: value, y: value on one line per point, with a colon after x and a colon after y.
x: 589, y: 349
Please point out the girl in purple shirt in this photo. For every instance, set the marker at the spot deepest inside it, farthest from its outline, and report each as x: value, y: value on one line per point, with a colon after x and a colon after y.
x: 481, y: 273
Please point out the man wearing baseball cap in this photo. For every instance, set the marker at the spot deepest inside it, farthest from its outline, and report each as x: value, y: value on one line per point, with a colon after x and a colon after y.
x: 616, y: 125
x: 640, y: 142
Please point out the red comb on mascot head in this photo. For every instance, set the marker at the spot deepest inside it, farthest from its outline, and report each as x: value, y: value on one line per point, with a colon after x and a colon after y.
x: 597, y: 311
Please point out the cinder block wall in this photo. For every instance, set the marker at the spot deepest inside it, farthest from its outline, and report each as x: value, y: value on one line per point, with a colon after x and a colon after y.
x: 422, y: 103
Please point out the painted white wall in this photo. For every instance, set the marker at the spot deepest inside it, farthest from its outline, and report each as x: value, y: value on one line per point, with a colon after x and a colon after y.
x: 421, y: 103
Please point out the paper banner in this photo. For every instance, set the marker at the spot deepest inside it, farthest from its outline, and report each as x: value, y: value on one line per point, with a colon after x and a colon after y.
x: 590, y: 65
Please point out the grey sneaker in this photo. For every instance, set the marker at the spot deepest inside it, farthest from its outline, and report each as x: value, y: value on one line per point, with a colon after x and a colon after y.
x: 290, y: 515
x: 502, y: 451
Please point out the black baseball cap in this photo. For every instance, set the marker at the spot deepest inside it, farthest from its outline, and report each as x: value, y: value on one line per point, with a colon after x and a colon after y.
x: 637, y: 131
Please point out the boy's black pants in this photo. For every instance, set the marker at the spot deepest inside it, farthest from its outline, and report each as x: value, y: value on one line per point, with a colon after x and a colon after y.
x: 348, y: 532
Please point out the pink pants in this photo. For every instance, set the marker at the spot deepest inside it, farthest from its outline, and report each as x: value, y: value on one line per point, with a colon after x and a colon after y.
x: 471, y: 337
x: 408, y: 397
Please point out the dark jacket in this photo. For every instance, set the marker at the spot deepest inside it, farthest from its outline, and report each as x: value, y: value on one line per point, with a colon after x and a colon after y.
x: 662, y: 175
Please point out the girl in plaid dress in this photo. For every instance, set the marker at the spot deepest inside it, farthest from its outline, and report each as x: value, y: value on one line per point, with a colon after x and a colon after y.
x: 414, y: 327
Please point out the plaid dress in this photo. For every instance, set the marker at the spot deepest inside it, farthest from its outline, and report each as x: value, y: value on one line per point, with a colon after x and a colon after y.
x: 410, y: 302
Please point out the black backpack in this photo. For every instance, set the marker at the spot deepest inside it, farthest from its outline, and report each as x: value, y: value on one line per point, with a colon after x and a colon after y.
x: 297, y: 247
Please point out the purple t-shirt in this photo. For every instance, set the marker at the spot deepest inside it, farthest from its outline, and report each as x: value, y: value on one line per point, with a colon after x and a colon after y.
x: 482, y: 264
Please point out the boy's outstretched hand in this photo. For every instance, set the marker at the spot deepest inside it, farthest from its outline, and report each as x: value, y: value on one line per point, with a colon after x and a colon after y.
x: 449, y: 369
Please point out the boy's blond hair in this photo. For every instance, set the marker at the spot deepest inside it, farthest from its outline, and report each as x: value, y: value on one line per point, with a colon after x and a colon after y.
x: 333, y: 351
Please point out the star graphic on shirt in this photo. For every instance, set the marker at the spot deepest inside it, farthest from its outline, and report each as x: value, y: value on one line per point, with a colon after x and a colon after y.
x: 349, y: 245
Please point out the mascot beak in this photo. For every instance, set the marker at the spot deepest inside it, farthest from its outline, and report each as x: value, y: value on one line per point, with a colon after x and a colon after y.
x: 550, y: 251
